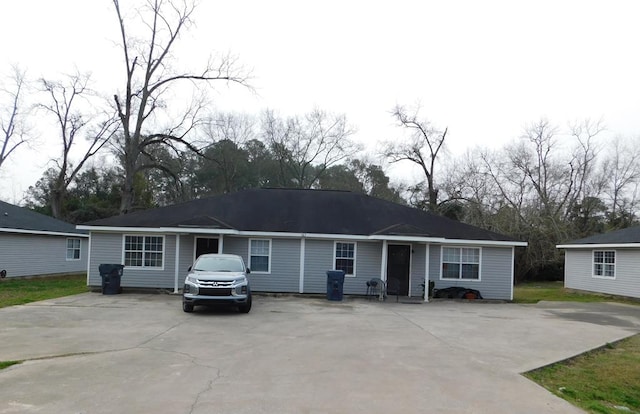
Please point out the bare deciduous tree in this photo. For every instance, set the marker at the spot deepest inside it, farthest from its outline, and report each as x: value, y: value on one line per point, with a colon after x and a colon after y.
x: 68, y: 102
x: 621, y: 174
x: 13, y: 114
x: 305, y: 146
x: 422, y: 147
x: 149, y: 77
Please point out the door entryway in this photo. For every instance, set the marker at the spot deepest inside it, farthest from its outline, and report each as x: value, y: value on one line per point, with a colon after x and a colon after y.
x: 398, y: 268
x: 206, y: 245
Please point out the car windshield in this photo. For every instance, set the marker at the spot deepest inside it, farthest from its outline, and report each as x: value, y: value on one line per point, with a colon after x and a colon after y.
x: 218, y: 264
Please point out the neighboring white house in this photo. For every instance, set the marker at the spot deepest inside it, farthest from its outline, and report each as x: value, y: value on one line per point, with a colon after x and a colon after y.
x: 32, y: 244
x: 605, y: 263
x: 290, y: 238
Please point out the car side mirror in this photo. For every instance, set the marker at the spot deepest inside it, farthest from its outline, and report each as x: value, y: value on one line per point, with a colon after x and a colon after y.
x: 248, y: 270
x: 189, y: 269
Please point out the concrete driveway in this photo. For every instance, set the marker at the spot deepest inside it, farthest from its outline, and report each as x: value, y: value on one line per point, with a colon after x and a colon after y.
x: 139, y: 353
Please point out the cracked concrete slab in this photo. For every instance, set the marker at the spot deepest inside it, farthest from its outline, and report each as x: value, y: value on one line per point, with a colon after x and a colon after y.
x: 140, y: 353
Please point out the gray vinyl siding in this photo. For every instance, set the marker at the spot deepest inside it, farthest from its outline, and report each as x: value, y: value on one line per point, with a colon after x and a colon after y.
x: 285, y: 268
x: 38, y: 255
x: 495, y: 273
x: 284, y: 263
x: 578, y: 272
x: 318, y: 259
x: 108, y: 248
x: 368, y: 263
x: 417, y: 269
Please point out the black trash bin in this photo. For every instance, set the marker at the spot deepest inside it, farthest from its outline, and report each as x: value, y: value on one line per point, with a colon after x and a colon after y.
x: 335, y: 283
x: 111, y: 275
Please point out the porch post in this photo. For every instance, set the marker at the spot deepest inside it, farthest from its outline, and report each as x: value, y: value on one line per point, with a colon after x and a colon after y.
x: 221, y: 244
x: 177, y: 269
x: 426, y: 273
x: 301, y: 287
x: 383, y: 262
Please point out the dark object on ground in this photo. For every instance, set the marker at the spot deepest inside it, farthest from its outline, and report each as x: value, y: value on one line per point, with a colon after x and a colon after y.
x: 335, y: 284
x: 457, y: 293
x: 111, y: 275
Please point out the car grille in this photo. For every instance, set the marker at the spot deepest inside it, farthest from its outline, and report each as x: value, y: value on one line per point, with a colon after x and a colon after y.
x: 204, y: 291
x: 215, y: 283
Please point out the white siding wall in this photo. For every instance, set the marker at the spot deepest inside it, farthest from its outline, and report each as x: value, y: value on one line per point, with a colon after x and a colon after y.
x: 35, y: 255
x: 578, y: 272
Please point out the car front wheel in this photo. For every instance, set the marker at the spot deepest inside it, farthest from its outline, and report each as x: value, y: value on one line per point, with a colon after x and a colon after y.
x: 187, y: 307
x: 246, y: 307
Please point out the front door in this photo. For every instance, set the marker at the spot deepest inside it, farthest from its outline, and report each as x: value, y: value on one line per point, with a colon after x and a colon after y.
x: 206, y: 245
x: 398, y: 267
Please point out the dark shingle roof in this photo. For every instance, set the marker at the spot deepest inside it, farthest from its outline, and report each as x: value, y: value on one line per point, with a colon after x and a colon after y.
x: 302, y: 211
x: 14, y: 217
x: 628, y: 235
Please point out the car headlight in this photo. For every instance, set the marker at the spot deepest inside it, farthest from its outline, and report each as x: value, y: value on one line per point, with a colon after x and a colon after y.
x: 240, y: 280
x: 192, y: 279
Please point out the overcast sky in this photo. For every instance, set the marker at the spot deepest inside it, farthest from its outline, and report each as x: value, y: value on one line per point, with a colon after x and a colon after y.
x: 483, y: 69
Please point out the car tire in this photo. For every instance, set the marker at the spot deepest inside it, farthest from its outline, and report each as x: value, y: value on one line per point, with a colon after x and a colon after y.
x: 187, y: 307
x: 245, y: 308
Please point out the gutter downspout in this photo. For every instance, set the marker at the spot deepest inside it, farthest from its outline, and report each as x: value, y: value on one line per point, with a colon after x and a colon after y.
x: 426, y: 273
x: 177, y: 269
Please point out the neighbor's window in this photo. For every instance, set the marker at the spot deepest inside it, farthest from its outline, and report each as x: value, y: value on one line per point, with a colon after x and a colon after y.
x: 73, y: 249
x: 144, y: 251
x: 461, y: 263
x: 345, y: 258
x: 260, y: 255
x: 604, y: 263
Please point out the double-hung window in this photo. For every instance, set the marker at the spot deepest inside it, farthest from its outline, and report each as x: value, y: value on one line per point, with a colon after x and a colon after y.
x: 604, y: 263
x: 260, y: 255
x: 73, y: 249
x: 144, y: 251
x: 345, y: 258
x: 461, y: 263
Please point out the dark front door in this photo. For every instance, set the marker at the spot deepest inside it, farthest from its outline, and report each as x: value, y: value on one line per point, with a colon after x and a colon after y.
x: 398, y: 266
x: 205, y: 245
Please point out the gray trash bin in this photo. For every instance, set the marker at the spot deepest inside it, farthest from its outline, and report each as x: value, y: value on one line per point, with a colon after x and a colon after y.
x: 335, y: 284
x: 111, y: 275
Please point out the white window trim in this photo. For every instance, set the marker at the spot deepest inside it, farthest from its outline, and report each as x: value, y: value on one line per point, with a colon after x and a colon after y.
x: 268, y: 272
x: 615, y: 264
x: 143, y: 267
x: 460, y: 279
x: 66, y: 253
x: 355, y: 256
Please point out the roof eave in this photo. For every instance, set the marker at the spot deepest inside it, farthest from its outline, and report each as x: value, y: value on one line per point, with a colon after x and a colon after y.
x: 42, y: 232
x: 598, y: 246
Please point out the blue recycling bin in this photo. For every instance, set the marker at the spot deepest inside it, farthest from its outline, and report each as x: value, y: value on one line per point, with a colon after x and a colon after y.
x: 335, y: 284
x: 111, y: 275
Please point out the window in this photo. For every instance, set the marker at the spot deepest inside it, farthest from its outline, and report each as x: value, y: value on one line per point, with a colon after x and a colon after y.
x: 144, y: 251
x: 461, y: 263
x: 73, y: 249
x: 345, y: 258
x: 604, y: 263
x: 260, y: 255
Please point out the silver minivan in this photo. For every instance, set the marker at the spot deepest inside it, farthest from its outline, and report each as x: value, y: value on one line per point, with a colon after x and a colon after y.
x: 217, y: 279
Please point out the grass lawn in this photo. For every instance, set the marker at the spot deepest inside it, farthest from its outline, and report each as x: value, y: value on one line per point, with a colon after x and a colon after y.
x: 21, y: 291
x: 532, y: 292
x: 601, y: 381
